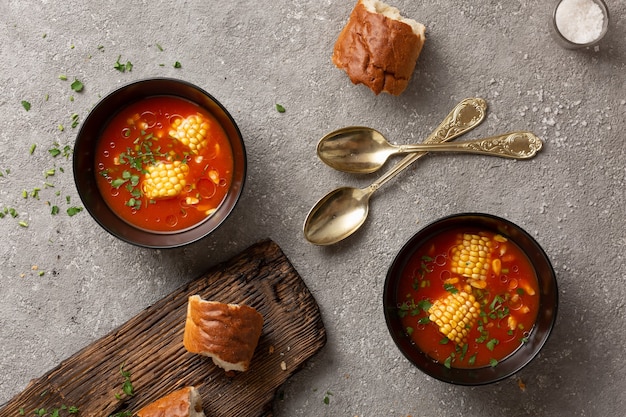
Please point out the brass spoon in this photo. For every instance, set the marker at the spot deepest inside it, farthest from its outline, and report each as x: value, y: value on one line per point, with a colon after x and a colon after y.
x: 344, y: 210
x: 362, y: 150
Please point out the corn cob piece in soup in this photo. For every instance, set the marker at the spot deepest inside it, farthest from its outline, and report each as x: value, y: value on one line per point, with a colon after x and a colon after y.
x: 469, y: 298
x: 164, y: 164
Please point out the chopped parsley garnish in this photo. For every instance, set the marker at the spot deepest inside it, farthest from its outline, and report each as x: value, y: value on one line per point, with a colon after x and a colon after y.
x: 280, y: 108
x: 450, y: 288
x: 77, y: 86
x: 123, y: 67
x: 26, y: 105
x: 72, y: 211
x: 327, y: 397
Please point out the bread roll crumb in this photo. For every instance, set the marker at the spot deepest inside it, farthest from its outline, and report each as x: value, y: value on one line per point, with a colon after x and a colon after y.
x: 379, y: 47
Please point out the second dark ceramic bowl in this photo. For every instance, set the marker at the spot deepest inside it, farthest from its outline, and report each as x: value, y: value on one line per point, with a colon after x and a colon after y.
x: 538, y: 335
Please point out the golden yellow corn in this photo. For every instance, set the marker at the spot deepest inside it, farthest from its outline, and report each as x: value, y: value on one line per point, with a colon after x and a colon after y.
x: 455, y: 315
x: 165, y: 180
x: 191, y: 131
x: 471, y: 258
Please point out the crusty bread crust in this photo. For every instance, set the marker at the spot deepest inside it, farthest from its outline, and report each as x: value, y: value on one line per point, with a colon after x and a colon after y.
x: 185, y: 402
x: 228, y: 333
x: 378, y: 47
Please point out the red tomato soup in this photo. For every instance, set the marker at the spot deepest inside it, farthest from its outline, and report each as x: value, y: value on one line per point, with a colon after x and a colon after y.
x: 164, y: 164
x: 468, y: 298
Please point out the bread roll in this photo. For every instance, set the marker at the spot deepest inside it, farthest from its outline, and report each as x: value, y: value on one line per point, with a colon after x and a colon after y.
x: 228, y: 333
x: 378, y: 47
x: 185, y: 402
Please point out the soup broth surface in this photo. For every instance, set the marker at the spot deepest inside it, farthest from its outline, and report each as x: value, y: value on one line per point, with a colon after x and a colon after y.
x: 164, y: 164
x: 501, y: 282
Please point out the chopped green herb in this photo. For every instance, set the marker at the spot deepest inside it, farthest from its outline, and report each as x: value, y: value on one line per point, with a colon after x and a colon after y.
x: 63, y: 77
x: 159, y: 47
x: 448, y: 362
x: 444, y: 341
x: 472, y: 359
x: 55, y: 210
x: 492, y: 344
x: 327, y: 397
x: 32, y: 148
x: 450, y: 288
x: 424, y: 305
x: 464, y: 351
x: 493, y: 363
x: 127, y: 386
x: 177, y: 65
x: 280, y: 108
x: 123, y: 67
x: 54, y: 152
x: 50, y: 172
x: 72, y: 211
x: 77, y: 86
x: 409, y: 330
x: 424, y: 320
x: 22, y: 223
x: 26, y: 105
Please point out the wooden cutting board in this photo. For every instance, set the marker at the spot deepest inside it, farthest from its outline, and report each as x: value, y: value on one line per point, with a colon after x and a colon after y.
x: 151, y: 349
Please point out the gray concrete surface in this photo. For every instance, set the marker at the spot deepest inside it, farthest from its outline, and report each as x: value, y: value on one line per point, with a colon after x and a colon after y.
x: 65, y: 282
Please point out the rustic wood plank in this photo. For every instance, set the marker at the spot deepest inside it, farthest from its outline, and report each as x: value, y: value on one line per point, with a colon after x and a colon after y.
x: 150, y: 345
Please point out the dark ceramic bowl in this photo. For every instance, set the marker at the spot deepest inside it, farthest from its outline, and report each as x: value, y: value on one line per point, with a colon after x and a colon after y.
x: 537, y: 336
x: 85, y: 169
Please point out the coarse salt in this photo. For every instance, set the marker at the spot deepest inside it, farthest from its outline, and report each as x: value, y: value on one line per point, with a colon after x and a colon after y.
x: 579, y: 21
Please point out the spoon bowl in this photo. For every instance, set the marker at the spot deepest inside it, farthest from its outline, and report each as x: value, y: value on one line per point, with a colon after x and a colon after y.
x: 337, y: 215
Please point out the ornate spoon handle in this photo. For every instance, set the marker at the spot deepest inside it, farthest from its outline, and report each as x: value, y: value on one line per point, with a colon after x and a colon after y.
x: 515, y: 145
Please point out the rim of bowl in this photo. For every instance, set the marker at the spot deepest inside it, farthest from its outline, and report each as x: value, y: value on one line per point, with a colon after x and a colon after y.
x: 83, y: 163
x: 566, y: 43
x: 548, y: 302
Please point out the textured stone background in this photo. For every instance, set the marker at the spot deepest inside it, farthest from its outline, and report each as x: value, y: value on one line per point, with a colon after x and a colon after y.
x: 250, y: 56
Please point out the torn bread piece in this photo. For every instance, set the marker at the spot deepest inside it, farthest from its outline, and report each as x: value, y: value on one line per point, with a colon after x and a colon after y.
x: 378, y: 47
x: 228, y: 333
x: 185, y: 402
